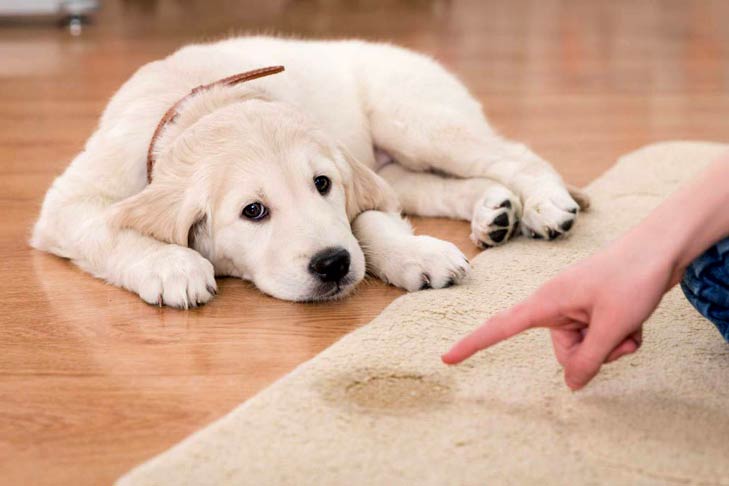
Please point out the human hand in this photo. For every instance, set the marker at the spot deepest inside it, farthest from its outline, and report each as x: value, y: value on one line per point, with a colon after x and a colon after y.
x: 595, y: 309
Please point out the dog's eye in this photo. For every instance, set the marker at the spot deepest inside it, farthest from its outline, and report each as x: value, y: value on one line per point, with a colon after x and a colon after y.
x: 255, y: 211
x: 323, y: 184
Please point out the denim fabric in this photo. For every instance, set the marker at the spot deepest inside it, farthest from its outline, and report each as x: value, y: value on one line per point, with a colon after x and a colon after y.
x: 706, y: 285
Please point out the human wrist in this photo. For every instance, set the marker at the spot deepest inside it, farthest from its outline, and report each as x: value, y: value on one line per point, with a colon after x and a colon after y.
x: 687, y: 223
x: 646, y: 247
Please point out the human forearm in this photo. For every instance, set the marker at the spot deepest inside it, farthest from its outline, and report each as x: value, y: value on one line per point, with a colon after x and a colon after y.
x: 688, y: 222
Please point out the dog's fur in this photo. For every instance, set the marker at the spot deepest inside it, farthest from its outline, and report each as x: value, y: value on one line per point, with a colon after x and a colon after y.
x: 390, y: 128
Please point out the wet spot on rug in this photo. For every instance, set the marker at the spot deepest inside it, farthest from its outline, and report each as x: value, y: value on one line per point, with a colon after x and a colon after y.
x: 389, y: 392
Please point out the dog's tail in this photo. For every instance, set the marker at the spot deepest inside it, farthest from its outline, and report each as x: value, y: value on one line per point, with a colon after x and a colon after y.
x: 580, y: 197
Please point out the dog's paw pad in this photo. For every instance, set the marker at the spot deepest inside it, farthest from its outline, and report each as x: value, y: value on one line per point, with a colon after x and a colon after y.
x: 502, y: 220
x: 494, y: 222
x: 505, y: 204
x: 498, y: 235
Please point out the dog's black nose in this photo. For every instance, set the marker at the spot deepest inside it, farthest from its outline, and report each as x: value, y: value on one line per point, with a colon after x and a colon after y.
x: 330, y: 264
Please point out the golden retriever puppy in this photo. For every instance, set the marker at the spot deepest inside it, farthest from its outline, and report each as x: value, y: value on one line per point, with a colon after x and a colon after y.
x: 204, y: 165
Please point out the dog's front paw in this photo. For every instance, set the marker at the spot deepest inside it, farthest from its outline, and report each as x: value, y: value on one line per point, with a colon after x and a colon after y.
x: 423, y: 262
x: 495, y: 219
x: 549, y: 214
x: 175, y: 276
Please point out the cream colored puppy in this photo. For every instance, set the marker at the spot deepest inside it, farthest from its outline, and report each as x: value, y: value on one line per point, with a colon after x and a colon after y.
x: 274, y: 180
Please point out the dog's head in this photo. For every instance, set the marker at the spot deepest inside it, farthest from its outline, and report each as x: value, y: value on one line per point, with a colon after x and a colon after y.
x: 257, y: 189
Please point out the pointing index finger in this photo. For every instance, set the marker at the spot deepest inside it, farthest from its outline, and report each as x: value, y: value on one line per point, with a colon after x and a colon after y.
x: 528, y: 314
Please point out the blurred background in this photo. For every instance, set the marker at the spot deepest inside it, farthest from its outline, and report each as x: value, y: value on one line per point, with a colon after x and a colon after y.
x: 582, y: 81
x: 92, y: 380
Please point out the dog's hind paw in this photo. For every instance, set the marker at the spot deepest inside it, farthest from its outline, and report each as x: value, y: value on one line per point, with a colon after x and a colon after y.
x: 495, y: 218
x: 549, y: 214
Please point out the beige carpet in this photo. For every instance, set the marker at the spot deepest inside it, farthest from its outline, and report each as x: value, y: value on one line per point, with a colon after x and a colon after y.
x: 378, y: 407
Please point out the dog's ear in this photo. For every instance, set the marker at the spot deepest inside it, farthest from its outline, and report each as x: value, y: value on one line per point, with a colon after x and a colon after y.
x: 364, y: 189
x: 165, y: 212
x: 172, y: 208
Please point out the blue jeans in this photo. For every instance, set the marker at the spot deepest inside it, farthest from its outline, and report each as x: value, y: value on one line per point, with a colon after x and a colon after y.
x: 706, y: 285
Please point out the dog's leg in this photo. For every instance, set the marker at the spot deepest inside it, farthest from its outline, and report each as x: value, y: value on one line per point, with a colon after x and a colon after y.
x: 394, y: 254
x: 493, y: 210
x: 548, y: 208
x: 426, y: 119
x: 160, y: 273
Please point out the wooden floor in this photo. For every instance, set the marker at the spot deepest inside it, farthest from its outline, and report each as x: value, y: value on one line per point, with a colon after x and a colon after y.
x: 93, y: 381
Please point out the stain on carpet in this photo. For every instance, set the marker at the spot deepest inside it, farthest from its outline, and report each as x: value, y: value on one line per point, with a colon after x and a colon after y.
x: 388, y: 391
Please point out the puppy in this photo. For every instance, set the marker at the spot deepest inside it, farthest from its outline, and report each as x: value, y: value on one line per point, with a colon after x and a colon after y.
x: 204, y: 165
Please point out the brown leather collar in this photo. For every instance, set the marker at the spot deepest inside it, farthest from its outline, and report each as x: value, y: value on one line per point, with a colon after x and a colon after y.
x: 171, y: 114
